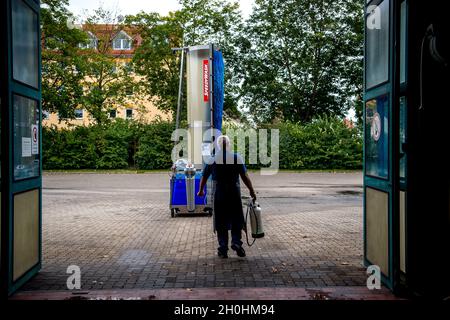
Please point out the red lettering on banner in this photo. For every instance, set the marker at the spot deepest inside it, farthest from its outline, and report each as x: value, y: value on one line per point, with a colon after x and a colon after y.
x: 205, y: 80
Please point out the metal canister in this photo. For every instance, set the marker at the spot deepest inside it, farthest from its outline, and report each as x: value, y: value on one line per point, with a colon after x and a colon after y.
x: 255, y: 220
x: 189, y: 173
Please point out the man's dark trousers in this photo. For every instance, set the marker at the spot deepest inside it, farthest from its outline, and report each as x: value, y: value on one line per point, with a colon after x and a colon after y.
x: 222, y: 237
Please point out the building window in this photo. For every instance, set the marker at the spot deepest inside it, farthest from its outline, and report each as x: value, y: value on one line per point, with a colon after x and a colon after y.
x: 91, y: 42
x: 122, y: 41
x: 79, y: 114
x: 112, y: 114
x: 129, y: 113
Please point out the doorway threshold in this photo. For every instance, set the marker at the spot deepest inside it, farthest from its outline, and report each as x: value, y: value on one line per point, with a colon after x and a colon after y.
x: 266, y: 293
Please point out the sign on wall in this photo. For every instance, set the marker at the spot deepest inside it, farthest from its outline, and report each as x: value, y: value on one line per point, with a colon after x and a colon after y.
x: 205, y: 80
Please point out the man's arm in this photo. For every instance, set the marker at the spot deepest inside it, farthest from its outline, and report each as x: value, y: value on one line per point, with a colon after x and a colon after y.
x: 205, y: 176
x: 201, y: 188
x: 246, y: 179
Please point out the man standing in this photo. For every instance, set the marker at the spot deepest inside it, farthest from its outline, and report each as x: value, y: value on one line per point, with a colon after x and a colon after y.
x: 225, y: 168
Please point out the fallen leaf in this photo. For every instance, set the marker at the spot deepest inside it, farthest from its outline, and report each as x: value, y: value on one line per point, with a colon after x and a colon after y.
x: 319, y: 296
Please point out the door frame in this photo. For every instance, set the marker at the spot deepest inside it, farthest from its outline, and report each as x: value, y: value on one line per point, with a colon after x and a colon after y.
x: 9, y: 186
x: 391, y: 185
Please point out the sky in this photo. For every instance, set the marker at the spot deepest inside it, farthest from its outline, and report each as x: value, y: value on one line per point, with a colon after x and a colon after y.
x: 125, y: 7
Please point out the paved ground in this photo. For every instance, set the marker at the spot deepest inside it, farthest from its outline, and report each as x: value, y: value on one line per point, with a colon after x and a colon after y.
x: 117, y: 228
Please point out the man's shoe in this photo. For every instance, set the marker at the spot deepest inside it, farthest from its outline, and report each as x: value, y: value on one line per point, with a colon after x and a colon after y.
x: 222, y: 255
x: 239, y: 250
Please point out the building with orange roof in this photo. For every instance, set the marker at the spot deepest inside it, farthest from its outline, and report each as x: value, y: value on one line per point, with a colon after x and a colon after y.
x: 121, y: 43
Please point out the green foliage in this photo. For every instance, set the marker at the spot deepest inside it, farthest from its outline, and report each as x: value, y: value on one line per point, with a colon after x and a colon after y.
x: 108, y: 79
x: 111, y: 145
x: 198, y: 22
x: 100, y: 146
x: 61, y: 65
x: 68, y: 149
x: 155, y: 146
x: 325, y: 143
x: 83, y: 78
x: 291, y: 60
x: 154, y: 58
x: 301, y: 58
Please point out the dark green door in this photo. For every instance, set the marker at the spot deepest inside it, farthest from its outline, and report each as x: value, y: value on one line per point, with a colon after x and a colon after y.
x: 21, y: 143
x: 379, y: 134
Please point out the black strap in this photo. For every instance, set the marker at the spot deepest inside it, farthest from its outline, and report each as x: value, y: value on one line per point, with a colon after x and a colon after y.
x: 224, y: 150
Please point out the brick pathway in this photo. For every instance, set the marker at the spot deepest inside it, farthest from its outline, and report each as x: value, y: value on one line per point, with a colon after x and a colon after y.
x: 118, y: 230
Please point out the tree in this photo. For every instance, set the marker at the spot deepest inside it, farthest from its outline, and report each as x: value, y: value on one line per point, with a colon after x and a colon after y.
x: 109, y: 79
x: 75, y: 75
x: 61, y: 65
x: 301, y: 58
x: 154, y: 59
x: 198, y: 22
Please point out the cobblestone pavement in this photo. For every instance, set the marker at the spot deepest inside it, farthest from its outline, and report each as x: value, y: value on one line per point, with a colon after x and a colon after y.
x: 117, y: 228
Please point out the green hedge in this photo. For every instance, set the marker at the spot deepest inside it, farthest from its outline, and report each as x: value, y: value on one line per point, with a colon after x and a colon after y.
x: 107, y: 146
x: 155, y: 146
x: 325, y: 143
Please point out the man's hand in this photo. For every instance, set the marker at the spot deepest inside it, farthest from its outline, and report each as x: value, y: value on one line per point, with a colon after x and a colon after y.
x: 201, y: 187
x: 201, y: 193
x: 253, y: 195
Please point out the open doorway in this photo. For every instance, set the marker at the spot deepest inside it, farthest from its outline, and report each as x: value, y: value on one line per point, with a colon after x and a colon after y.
x: 115, y: 231
x: 116, y: 228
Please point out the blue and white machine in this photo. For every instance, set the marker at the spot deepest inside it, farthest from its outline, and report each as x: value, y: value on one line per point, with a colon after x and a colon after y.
x: 205, y: 96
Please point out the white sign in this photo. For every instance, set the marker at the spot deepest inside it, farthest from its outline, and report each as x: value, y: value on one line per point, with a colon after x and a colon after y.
x: 26, y: 147
x: 375, y: 129
x: 34, y: 139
